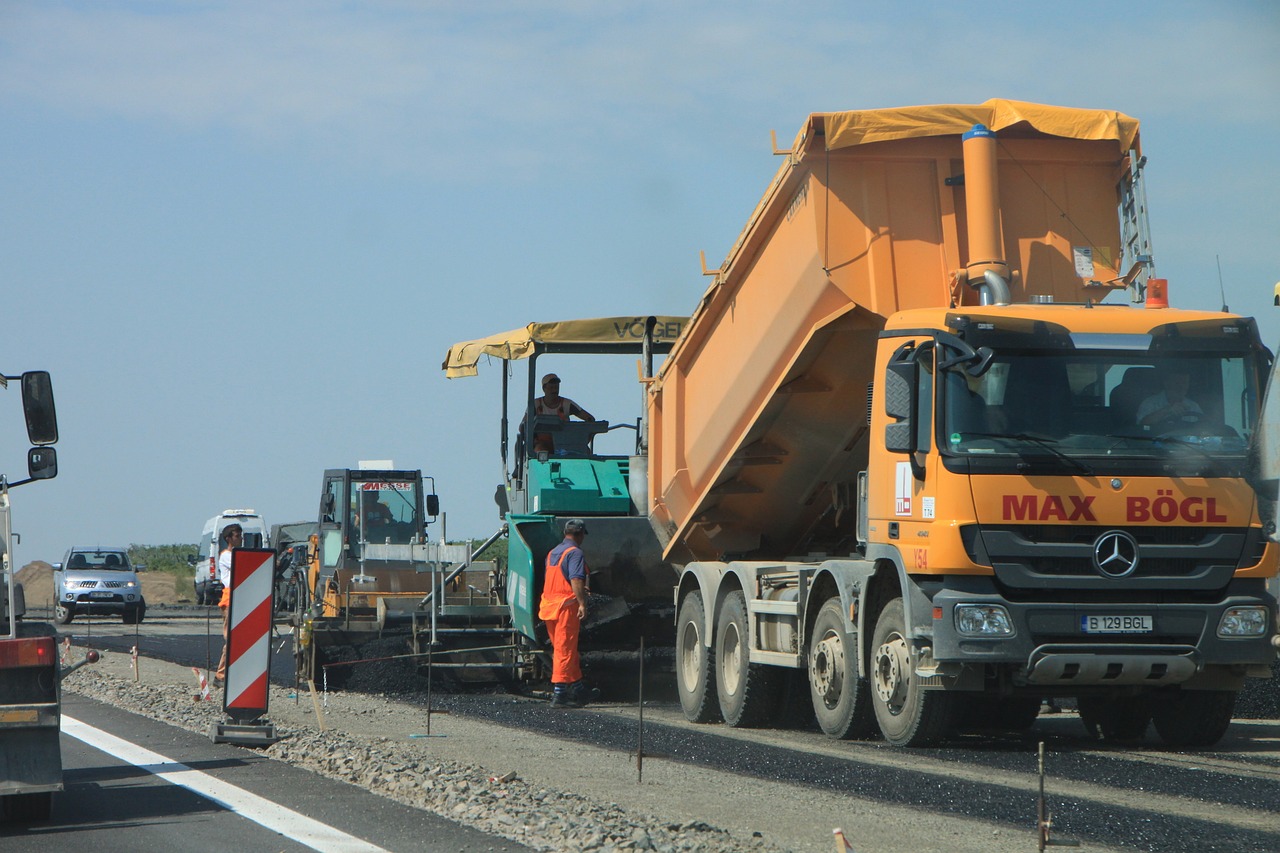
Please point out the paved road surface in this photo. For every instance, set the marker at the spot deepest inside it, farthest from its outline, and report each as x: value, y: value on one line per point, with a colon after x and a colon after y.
x: 112, y: 805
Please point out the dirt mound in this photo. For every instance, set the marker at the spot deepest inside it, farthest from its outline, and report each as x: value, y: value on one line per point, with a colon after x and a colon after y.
x: 157, y: 587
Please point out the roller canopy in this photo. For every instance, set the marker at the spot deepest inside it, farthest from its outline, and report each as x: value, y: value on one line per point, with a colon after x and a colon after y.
x: 859, y: 127
x: 604, y: 334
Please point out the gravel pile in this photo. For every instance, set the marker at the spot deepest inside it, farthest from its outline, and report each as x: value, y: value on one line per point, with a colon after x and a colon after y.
x: 542, y: 818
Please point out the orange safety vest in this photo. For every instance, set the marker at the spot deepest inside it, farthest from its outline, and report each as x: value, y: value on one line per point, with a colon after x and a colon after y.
x: 555, y: 589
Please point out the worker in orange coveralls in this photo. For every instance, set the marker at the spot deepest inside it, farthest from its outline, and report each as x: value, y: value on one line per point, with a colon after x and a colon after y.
x: 562, y: 608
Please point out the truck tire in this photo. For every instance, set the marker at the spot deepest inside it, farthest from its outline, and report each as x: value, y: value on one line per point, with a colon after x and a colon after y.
x: 742, y: 687
x: 1119, y: 719
x: 1194, y: 718
x: 907, y: 714
x: 695, y: 663
x: 63, y: 614
x: 134, y: 615
x: 27, y: 808
x: 841, y: 697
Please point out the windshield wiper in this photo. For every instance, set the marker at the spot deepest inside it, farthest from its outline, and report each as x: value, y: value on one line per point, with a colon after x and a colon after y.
x: 1041, y: 441
x: 1170, y: 439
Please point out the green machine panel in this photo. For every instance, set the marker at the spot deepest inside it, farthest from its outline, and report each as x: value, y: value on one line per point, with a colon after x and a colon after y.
x: 569, y: 487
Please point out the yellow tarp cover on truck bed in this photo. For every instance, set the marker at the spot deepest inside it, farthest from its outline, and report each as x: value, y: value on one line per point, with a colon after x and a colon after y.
x: 463, y: 358
x: 860, y: 127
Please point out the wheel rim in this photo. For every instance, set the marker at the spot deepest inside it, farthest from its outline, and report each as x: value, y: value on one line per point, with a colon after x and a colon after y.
x: 731, y: 655
x: 690, y: 655
x: 826, y: 668
x: 891, y: 673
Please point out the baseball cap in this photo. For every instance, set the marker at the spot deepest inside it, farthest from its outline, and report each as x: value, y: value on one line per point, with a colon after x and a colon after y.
x: 550, y: 377
x: 575, y: 525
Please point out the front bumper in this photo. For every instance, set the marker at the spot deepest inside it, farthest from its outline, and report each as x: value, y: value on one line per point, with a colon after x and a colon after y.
x: 1050, y: 647
x: 117, y: 604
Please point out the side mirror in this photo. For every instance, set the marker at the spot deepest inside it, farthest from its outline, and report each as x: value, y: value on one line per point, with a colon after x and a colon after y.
x: 57, y: 567
x: 191, y: 559
x: 42, y: 462
x: 900, y: 385
x: 37, y: 404
x: 433, y: 505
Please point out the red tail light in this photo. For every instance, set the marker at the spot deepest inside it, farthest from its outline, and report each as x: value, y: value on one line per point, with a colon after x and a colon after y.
x: 31, y: 651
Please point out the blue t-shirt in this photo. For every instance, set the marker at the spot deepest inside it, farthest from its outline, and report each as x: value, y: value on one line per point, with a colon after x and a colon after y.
x: 574, y: 565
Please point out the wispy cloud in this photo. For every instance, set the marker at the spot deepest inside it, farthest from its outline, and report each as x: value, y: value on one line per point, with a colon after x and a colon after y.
x: 417, y: 86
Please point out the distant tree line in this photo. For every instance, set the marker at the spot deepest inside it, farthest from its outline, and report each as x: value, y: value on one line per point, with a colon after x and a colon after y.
x: 162, y: 558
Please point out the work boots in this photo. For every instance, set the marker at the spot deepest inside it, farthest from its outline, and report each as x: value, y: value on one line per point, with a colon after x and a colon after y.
x: 573, y: 695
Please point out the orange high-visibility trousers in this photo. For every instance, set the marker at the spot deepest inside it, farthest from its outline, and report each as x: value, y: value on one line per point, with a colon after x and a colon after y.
x: 566, y: 666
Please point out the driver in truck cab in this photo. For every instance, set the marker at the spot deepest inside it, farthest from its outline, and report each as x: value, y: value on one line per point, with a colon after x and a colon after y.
x: 1172, y: 405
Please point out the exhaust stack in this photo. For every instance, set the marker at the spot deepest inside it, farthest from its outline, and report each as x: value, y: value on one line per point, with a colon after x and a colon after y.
x: 987, y: 269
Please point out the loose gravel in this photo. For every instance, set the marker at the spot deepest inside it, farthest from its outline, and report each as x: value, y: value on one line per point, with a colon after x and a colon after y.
x: 505, y: 805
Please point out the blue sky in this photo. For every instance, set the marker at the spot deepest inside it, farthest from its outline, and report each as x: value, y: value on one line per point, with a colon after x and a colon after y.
x: 242, y: 235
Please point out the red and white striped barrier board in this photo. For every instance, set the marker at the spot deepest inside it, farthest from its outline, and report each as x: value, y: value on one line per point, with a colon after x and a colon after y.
x: 249, y: 645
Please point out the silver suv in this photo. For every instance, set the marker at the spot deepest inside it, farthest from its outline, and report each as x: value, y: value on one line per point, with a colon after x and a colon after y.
x: 97, y: 581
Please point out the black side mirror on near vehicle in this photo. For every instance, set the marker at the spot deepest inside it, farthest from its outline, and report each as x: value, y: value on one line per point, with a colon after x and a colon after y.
x: 37, y: 404
x: 433, y: 505
x: 42, y: 464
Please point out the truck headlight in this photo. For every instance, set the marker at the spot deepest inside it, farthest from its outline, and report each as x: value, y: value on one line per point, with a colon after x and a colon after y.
x: 983, y: 620
x: 1243, y: 622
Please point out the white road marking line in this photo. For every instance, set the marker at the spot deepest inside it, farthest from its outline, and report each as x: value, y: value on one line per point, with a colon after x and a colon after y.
x: 291, y: 824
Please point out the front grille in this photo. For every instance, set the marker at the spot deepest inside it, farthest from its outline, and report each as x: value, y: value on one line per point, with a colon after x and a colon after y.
x: 1040, y: 556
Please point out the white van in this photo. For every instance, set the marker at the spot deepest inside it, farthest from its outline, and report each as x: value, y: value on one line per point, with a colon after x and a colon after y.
x: 256, y: 535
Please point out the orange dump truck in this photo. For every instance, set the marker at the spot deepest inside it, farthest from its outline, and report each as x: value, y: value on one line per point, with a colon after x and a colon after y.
x: 904, y: 448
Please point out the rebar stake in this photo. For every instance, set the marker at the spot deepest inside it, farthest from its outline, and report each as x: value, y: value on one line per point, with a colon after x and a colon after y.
x: 640, y: 727
x: 1044, y: 822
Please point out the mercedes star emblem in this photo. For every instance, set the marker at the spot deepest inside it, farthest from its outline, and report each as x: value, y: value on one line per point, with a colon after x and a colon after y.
x: 1115, y: 553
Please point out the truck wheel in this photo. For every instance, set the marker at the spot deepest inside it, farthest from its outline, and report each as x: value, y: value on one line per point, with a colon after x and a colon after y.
x: 743, y: 687
x: 695, y: 663
x: 841, y: 698
x: 1194, y: 718
x: 907, y: 714
x: 63, y: 614
x: 134, y: 615
x: 1120, y: 719
x: 28, y: 808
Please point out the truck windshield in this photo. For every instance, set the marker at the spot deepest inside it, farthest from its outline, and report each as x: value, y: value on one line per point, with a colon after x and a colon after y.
x: 385, y: 512
x: 1102, y: 404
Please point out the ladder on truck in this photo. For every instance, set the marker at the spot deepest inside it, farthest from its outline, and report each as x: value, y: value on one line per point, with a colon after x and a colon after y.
x: 1135, y: 228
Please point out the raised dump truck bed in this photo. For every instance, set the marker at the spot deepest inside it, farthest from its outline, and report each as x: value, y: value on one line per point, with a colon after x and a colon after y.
x: 759, y: 417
